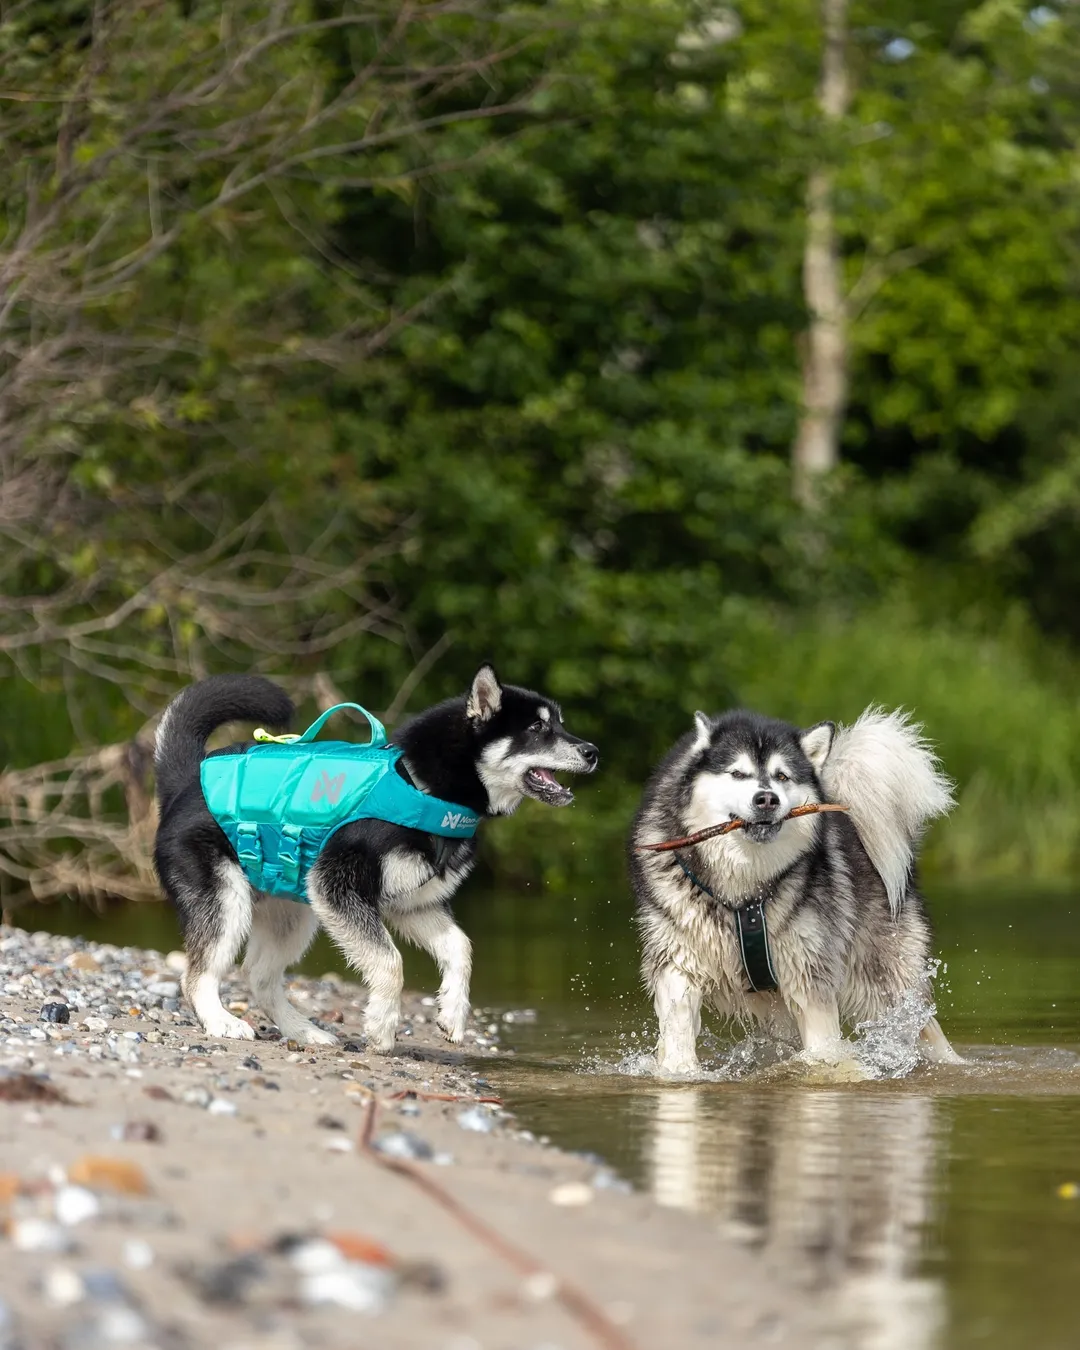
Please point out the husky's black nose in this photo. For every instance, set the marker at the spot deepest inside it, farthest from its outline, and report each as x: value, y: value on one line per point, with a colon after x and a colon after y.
x: 765, y: 801
x: 589, y: 754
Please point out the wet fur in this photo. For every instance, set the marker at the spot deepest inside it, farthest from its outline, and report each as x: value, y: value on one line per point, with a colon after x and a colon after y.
x: 848, y: 929
x: 371, y: 877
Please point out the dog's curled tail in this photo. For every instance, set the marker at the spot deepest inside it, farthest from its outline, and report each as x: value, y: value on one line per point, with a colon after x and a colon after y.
x: 886, y: 770
x: 196, y: 711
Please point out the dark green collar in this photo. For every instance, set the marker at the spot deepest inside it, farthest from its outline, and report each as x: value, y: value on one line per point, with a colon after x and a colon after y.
x: 753, y: 938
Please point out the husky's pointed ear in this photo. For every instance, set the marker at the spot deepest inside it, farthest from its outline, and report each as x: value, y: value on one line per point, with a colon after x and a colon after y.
x: 703, y: 727
x: 816, y: 743
x: 485, y: 696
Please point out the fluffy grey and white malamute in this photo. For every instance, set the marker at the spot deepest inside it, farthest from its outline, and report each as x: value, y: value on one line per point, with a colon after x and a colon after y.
x: 798, y: 924
x: 486, y: 750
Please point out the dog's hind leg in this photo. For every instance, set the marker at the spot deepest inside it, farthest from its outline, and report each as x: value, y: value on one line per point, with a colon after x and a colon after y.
x: 678, y: 1009
x: 434, y: 929
x: 281, y: 932
x: 935, y: 1045
x: 214, y: 931
x: 359, y: 932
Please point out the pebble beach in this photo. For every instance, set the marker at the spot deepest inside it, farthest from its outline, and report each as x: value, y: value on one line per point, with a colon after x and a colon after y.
x: 161, y: 1190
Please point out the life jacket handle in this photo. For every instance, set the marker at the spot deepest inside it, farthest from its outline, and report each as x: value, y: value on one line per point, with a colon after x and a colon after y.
x: 378, y: 731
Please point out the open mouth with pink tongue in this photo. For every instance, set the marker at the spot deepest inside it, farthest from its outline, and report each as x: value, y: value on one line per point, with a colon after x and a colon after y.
x: 545, y: 787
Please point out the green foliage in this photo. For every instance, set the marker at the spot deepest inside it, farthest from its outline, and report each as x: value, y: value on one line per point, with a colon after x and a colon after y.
x: 340, y: 331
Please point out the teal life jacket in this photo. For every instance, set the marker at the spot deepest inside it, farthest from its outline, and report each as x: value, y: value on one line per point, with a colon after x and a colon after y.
x: 280, y: 800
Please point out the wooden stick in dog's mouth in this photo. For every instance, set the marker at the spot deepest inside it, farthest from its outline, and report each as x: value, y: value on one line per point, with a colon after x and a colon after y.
x: 713, y: 831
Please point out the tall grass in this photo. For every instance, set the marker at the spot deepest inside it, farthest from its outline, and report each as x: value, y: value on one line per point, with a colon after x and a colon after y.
x: 1003, y: 713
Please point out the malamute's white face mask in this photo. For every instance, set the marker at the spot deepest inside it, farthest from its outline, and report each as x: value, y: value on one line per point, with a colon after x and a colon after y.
x: 760, y: 788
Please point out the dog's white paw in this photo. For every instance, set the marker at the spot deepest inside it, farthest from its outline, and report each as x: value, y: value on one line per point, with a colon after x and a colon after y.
x: 677, y: 1066
x: 452, y: 1023
x: 380, y: 1035
x: 229, y: 1028
x: 313, y: 1035
x: 381, y: 1043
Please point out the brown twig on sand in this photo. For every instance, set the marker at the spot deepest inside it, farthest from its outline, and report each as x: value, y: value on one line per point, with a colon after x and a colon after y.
x: 713, y: 831
x: 576, y: 1303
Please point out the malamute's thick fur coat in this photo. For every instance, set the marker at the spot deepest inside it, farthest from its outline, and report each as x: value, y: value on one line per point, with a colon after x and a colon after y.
x: 486, y: 750
x: 848, y: 931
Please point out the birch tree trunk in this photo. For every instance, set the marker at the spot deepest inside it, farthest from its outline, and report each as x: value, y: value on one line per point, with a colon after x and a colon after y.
x: 825, y: 358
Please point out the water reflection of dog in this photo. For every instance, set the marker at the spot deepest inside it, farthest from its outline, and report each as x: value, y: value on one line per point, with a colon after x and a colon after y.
x: 833, y: 1188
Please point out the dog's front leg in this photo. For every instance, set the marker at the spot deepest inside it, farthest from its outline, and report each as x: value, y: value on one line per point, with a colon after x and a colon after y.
x: 818, y: 1020
x: 434, y: 929
x: 678, y: 1009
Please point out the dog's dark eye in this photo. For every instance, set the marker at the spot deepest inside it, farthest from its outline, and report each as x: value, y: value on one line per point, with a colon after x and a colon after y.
x: 781, y: 778
x: 738, y: 773
x: 538, y: 726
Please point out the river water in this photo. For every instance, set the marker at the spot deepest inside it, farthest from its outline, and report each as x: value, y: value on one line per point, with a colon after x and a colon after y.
x: 933, y: 1208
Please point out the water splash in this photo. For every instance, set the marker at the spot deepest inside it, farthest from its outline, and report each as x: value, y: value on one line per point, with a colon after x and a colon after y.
x: 880, y: 1048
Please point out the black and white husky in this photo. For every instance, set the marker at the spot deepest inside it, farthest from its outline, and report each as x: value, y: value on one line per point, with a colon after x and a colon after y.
x: 486, y: 750
x: 847, y: 931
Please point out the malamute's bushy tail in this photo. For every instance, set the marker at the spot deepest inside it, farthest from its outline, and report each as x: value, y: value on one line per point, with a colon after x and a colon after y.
x: 195, y: 712
x: 886, y: 771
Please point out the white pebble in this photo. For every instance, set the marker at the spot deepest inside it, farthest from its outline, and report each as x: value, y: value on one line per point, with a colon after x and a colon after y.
x: 138, y: 1255
x: 63, y: 1286
x: 176, y: 961
x: 220, y: 1107
x: 316, y: 1257
x: 571, y: 1194
x: 38, y: 1235
x: 363, y: 1289
x: 541, y: 1285
x: 337, y: 1143
x: 75, y: 1204
x: 118, y: 1325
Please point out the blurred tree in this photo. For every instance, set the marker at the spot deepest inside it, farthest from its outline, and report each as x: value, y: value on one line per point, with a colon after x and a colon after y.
x: 487, y: 333
x: 171, y: 495
x: 825, y: 358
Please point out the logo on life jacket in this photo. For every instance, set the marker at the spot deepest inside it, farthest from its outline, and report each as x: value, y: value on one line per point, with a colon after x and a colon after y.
x: 328, y: 787
x: 456, y: 820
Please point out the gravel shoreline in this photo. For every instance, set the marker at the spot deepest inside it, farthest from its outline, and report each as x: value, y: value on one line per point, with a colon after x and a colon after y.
x: 160, y: 1189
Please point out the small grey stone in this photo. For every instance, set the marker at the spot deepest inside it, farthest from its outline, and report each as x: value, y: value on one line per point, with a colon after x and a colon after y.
x: 402, y: 1144
x: 9, y: 1334
x: 164, y: 989
x: 477, y: 1119
x: 115, y: 1324
x: 104, y: 1286
x: 229, y: 1282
